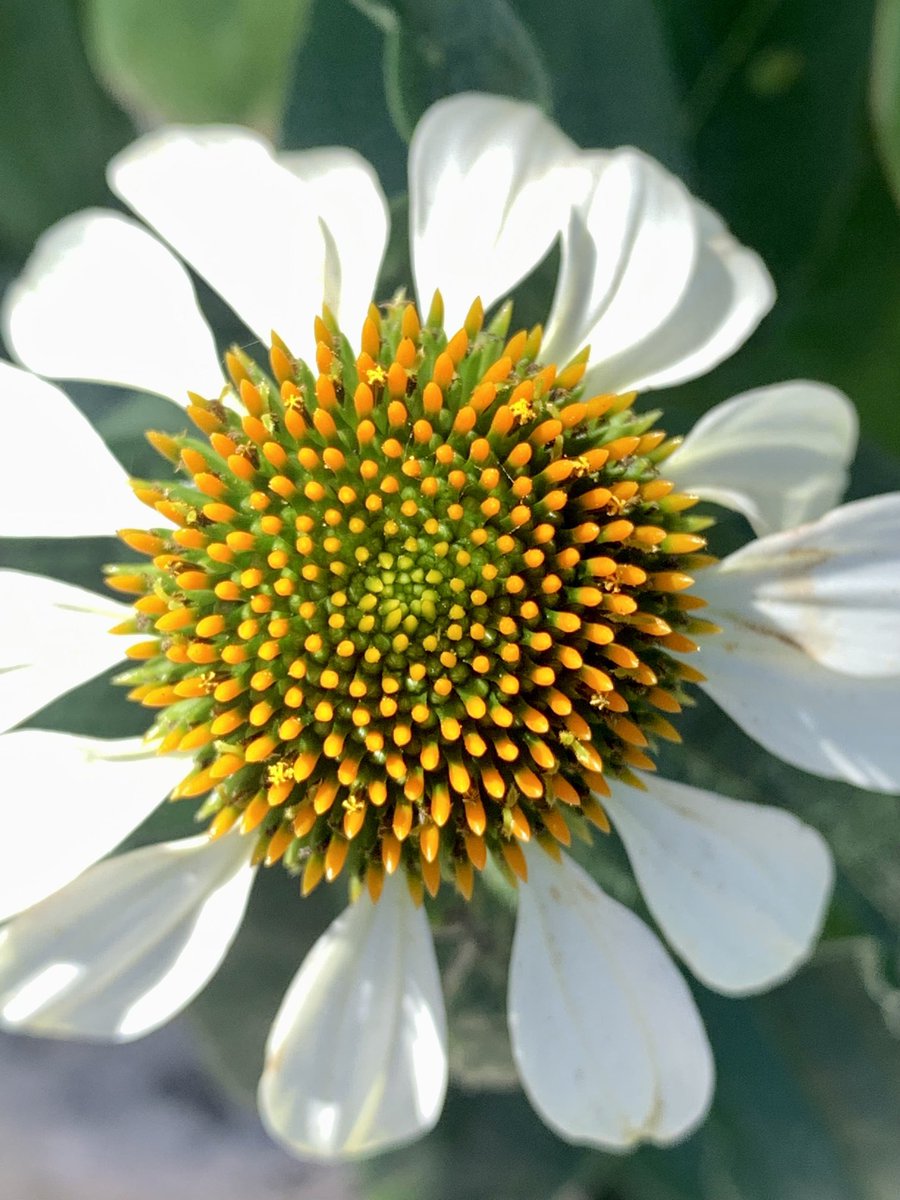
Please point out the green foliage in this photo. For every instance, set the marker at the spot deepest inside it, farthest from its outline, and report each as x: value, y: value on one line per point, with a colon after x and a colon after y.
x: 485, y: 1146
x: 434, y: 50
x: 806, y: 1078
x: 774, y: 106
x: 197, y: 60
x: 337, y: 92
x: 57, y: 126
x: 612, y: 78
x: 885, y: 93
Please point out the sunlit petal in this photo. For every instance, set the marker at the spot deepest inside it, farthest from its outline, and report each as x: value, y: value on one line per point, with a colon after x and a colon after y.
x: 129, y: 944
x: 609, y: 1045
x: 54, y: 440
x: 102, y: 299
x: 357, y: 1058
x: 489, y: 191
x: 67, y: 801
x: 53, y: 636
x: 779, y: 455
x: 739, y: 890
x: 354, y: 211
x: 246, y: 224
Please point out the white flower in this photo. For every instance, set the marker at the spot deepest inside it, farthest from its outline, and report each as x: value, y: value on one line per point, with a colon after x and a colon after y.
x: 608, y: 1042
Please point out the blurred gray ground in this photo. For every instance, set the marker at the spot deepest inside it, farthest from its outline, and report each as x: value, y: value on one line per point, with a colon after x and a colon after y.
x: 137, y: 1122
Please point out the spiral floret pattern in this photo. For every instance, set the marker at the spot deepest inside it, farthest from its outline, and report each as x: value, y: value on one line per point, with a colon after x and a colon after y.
x: 419, y: 602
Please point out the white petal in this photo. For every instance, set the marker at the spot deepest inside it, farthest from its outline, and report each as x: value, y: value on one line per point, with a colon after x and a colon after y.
x: 490, y: 189
x: 246, y: 224
x: 605, y: 1033
x: 740, y: 890
x: 48, y: 441
x: 128, y: 945
x: 355, y: 214
x: 839, y: 726
x: 779, y: 454
x: 101, y: 299
x: 652, y: 280
x: 66, y: 802
x: 357, y: 1060
x: 53, y: 636
x: 628, y: 255
x: 729, y: 294
x: 831, y: 587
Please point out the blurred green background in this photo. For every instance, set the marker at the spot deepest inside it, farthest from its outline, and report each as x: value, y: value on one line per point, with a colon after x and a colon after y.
x: 785, y: 116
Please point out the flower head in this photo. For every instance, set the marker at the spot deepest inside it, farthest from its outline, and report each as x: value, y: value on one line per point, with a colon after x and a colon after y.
x: 417, y: 604
x: 418, y: 599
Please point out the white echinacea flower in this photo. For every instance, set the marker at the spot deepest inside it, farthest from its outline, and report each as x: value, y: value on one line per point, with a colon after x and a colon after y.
x: 421, y: 599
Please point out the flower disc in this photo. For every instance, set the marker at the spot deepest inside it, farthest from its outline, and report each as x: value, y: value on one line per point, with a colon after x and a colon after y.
x: 417, y: 604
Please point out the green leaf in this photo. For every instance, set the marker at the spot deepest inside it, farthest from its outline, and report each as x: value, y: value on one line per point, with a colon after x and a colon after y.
x: 336, y: 95
x: 485, y: 1145
x: 434, y: 50
x: 844, y: 325
x: 198, y: 60
x: 613, y: 81
x: 57, y: 127
x: 808, y: 1081
x: 774, y: 100
x: 885, y: 89
x: 878, y: 965
x: 396, y: 268
x: 775, y: 103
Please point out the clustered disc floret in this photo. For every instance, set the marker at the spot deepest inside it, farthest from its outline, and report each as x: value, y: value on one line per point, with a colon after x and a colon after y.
x: 419, y: 605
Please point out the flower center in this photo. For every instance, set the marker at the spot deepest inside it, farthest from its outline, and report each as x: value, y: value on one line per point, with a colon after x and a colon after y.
x: 418, y: 605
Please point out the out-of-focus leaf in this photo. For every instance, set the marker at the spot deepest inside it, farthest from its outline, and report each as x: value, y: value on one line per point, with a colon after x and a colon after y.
x: 885, y: 92
x: 198, y: 60
x: 879, y: 969
x: 336, y: 95
x: 845, y: 323
x: 808, y: 1087
x: 434, y: 50
x: 808, y: 1080
x: 122, y: 419
x: 57, y: 127
x: 487, y: 1145
x: 768, y: 1139
x: 775, y: 149
x: 613, y: 81
x: 396, y: 269
x: 775, y: 105
x: 674, y: 1173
